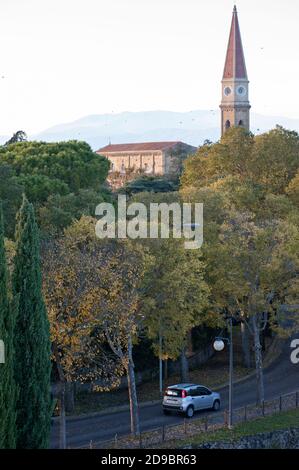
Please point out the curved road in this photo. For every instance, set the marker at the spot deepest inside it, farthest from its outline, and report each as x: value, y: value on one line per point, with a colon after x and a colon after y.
x: 281, y: 377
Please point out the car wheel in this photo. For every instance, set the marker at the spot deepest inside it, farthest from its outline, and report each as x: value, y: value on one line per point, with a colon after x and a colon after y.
x: 216, y: 405
x: 166, y: 412
x: 190, y: 412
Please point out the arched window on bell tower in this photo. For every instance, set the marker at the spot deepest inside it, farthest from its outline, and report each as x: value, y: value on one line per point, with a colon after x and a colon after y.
x: 241, y: 123
x: 227, y: 124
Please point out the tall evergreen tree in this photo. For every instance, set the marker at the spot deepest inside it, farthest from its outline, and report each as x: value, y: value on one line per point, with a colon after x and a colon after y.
x: 32, y: 337
x: 7, y: 384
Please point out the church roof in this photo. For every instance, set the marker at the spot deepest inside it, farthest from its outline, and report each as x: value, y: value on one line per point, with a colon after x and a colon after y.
x: 137, y: 147
x: 235, y: 62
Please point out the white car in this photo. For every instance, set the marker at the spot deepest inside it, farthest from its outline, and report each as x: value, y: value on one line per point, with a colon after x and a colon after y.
x: 188, y: 398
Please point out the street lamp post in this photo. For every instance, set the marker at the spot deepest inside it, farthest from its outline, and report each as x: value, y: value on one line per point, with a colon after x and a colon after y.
x: 231, y: 375
x: 219, y: 345
x: 2, y: 352
x: 160, y: 365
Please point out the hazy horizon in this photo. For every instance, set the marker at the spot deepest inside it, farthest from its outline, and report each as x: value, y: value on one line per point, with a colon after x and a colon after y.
x: 192, y: 127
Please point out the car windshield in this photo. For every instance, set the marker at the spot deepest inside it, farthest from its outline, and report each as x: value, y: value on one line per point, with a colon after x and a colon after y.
x: 174, y: 392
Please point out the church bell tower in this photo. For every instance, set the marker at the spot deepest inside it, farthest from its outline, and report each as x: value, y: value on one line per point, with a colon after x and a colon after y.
x: 235, y: 106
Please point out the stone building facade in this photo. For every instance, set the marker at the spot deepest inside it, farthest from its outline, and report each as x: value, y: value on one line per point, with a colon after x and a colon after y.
x: 150, y: 158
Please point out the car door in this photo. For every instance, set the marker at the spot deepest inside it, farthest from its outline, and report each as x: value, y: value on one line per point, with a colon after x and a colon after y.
x: 205, y: 398
x: 196, y: 398
x: 192, y: 392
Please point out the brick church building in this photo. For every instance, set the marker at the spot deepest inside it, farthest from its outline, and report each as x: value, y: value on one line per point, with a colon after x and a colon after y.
x: 150, y: 158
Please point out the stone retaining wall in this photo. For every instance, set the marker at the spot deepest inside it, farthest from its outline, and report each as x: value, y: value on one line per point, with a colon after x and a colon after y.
x: 285, y: 439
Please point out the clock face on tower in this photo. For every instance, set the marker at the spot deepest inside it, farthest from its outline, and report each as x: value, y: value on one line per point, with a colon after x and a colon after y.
x: 227, y: 90
x: 241, y: 90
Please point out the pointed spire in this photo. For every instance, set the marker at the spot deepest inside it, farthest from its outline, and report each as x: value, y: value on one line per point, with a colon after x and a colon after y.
x: 235, y: 62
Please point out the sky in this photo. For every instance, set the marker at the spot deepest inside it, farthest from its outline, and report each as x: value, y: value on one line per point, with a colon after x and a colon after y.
x: 63, y: 59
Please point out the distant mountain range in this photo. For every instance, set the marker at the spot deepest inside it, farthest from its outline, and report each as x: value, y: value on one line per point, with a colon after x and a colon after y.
x: 192, y: 127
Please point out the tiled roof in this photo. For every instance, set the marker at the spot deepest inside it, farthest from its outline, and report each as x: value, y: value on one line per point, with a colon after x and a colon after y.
x: 235, y: 62
x: 137, y: 147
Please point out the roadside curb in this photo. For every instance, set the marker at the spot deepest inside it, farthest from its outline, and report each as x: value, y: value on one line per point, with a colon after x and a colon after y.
x: 115, y: 409
x: 241, y: 379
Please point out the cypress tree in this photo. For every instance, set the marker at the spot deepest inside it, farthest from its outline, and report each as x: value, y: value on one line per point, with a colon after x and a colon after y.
x: 32, y: 338
x: 7, y: 384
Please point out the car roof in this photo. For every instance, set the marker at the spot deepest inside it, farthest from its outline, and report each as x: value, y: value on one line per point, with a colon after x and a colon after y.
x: 182, y: 386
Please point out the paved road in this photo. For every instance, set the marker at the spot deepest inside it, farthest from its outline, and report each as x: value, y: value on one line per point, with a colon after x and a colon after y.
x: 280, y: 378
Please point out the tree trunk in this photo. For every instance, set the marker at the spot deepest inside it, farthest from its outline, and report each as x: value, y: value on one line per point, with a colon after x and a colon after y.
x: 184, y: 367
x: 62, y: 430
x: 165, y: 369
x: 245, y: 345
x: 258, y: 361
x: 263, y: 340
x: 69, y: 397
x: 134, y: 411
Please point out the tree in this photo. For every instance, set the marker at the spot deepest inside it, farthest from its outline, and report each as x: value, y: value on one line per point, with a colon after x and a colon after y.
x: 63, y: 181
x: 176, y: 299
x: 73, y: 163
x: 70, y: 265
x: 39, y: 187
x: 19, y: 136
x: 59, y: 211
x: 8, y: 392
x: 230, y: 156
x: 92, y: 297
x: 32, y: 362
x: 269, y: 160
x: 175, y: 296
x: 11, y: 195
x: 274, y: 161
x: 293, y: 190
x: 122, y: 320
x: 255, y: 258
x: 245, y: 174
x: 152, y: 184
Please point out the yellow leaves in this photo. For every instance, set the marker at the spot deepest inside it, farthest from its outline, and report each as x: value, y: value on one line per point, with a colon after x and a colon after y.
x: 175, y: 295
x: 293, y: 190
x: 10, y: 253
x: 81, y: 232
x: 253, y: 261
x: 91, y: 290
x: 250, y: 190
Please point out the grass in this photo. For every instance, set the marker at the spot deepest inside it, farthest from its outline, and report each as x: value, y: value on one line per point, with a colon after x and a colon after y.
x: 272, y: 423
x: 213, y: 374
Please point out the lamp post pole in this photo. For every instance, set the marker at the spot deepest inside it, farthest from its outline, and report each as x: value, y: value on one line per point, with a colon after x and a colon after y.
x: 231, y: 375
x: 219, y: 345
x: 160, y: 364
x: 2, y: 352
